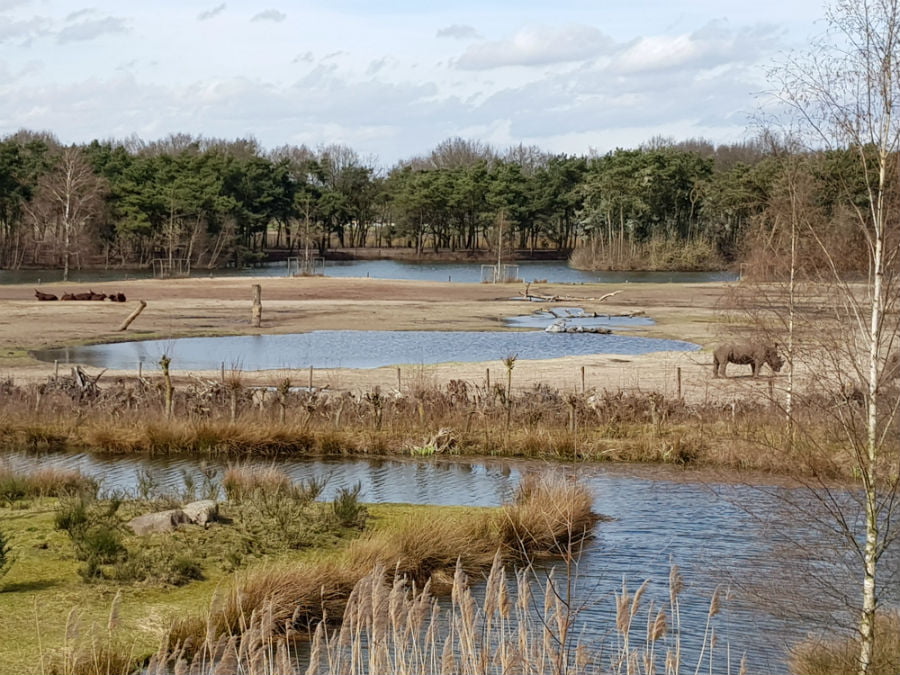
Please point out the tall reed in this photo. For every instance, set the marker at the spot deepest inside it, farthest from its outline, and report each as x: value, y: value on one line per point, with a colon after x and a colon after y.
x: 390, y: 625
x: 300, y: 596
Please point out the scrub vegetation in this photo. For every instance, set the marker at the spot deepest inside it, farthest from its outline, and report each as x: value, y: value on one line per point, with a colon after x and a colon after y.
x: 459, y: 419
x: 85, y: 595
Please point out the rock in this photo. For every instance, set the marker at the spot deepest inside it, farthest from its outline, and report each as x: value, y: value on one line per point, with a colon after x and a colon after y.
x: 202, y: 512
x: 161, y: 521
x: 558, y: 326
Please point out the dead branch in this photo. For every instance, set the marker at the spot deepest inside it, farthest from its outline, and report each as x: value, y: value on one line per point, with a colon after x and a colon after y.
x: 558, y: 298
x: 133, y: 315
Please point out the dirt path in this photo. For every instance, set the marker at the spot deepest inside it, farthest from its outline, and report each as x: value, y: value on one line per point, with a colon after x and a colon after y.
x: 221, y: 306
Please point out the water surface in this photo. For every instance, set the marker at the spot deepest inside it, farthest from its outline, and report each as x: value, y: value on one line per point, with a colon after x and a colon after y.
x: 557, y: 271
x: 732, y: 535
x: 355, y: 349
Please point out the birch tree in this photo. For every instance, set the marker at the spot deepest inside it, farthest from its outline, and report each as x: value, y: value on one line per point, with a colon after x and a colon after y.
x: 72, y: 195
x: 842, y: 96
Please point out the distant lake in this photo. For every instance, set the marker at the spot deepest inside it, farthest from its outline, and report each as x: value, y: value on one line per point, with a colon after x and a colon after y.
x: 557, y: 271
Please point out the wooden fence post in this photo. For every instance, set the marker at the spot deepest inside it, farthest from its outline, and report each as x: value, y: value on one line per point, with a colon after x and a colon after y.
x: 256, y: 311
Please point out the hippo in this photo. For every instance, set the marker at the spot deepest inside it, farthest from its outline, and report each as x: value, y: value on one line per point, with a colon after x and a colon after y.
x: 744, y: 353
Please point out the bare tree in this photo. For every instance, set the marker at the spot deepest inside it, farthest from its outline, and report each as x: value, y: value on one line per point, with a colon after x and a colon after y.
x: 70, y: 196
x: 842, y: 96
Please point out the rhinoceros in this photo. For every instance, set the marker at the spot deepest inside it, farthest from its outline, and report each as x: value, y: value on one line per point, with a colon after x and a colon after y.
x: 161, y: 521
x: 202, y: 512
x: 752, y: 353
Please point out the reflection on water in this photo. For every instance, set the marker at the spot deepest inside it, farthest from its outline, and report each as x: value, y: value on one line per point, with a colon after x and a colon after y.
x: 557, y: 271
x: 661, y: 516
x: 354, y: 349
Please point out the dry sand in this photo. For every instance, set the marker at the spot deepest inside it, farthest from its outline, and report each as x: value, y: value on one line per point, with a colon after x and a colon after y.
x: 221, y: 306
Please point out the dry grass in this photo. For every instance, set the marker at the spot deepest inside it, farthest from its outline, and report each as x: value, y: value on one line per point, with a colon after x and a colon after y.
x: 240, y: 482
x: 299, y: 597
x: 93, y: 650
x: 839, y: 656
x: 392, y: 625
x: 460, y: 418
x: 43, y: 482
x: 550, y: 513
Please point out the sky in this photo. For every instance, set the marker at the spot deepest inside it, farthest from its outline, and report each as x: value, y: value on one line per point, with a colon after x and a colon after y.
x: 393, y: 79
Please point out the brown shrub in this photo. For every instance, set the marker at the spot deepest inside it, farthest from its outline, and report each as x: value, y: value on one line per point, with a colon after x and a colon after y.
x: 839, y: 656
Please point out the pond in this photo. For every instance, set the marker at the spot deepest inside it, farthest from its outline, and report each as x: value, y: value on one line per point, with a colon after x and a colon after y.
x: 557, y: 271
x: 738, y: 536
x: 354, y: 349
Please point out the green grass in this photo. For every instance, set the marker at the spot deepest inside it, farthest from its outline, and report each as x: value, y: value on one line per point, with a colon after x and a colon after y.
x: 43, y: 598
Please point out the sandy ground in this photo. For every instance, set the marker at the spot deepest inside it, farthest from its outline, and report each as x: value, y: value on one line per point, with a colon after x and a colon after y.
x: 221, y: 306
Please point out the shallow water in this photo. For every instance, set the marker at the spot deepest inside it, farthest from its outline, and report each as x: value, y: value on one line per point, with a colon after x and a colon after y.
x: 717, y: 533
x: 354, y: 349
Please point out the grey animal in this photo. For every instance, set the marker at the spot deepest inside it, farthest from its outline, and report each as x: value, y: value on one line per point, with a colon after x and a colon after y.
x: 202, y: 512
x: 161, y: 521
x: 746, y: 353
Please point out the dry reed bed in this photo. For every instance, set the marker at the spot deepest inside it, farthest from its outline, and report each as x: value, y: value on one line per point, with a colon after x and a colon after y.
x: 551, y: 515
x: 42, y: 482
x: 228, y: 419
x: 521, y: 625
x: 840, y: 656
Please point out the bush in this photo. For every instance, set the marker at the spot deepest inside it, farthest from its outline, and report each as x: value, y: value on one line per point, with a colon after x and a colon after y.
x: 159, y: 565
x: 94, y: 529
x: 347, y: 508
x: 839, y: 656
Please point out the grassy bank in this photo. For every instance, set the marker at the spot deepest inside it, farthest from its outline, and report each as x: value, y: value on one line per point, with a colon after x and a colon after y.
x: 84, y: 595
x: 233, y: 420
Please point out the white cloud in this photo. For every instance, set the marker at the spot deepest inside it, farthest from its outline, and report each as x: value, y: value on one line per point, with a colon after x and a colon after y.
x: 375, y: 66
x: 211, y: 13
x: 270, y: 15
x: 393, y: 80
x: 91, y: 29
x: 23, y: 30
x: 713, y: 44
x: 79, y: 13
x: 536, y: 47
x: 458, y: 32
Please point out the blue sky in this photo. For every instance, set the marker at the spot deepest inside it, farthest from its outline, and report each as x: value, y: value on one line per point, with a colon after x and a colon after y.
x: 393, y: 79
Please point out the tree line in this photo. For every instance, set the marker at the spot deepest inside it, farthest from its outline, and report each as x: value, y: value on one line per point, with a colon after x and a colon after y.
x: 664, y: 205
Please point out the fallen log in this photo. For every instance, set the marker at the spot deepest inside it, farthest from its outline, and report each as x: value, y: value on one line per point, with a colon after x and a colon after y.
x: 560, y: 298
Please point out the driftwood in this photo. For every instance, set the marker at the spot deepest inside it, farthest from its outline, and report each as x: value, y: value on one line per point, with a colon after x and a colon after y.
x: 133, y: 315
x: 84, y: 381
x: 558, y: 298
x: 78, y: 387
